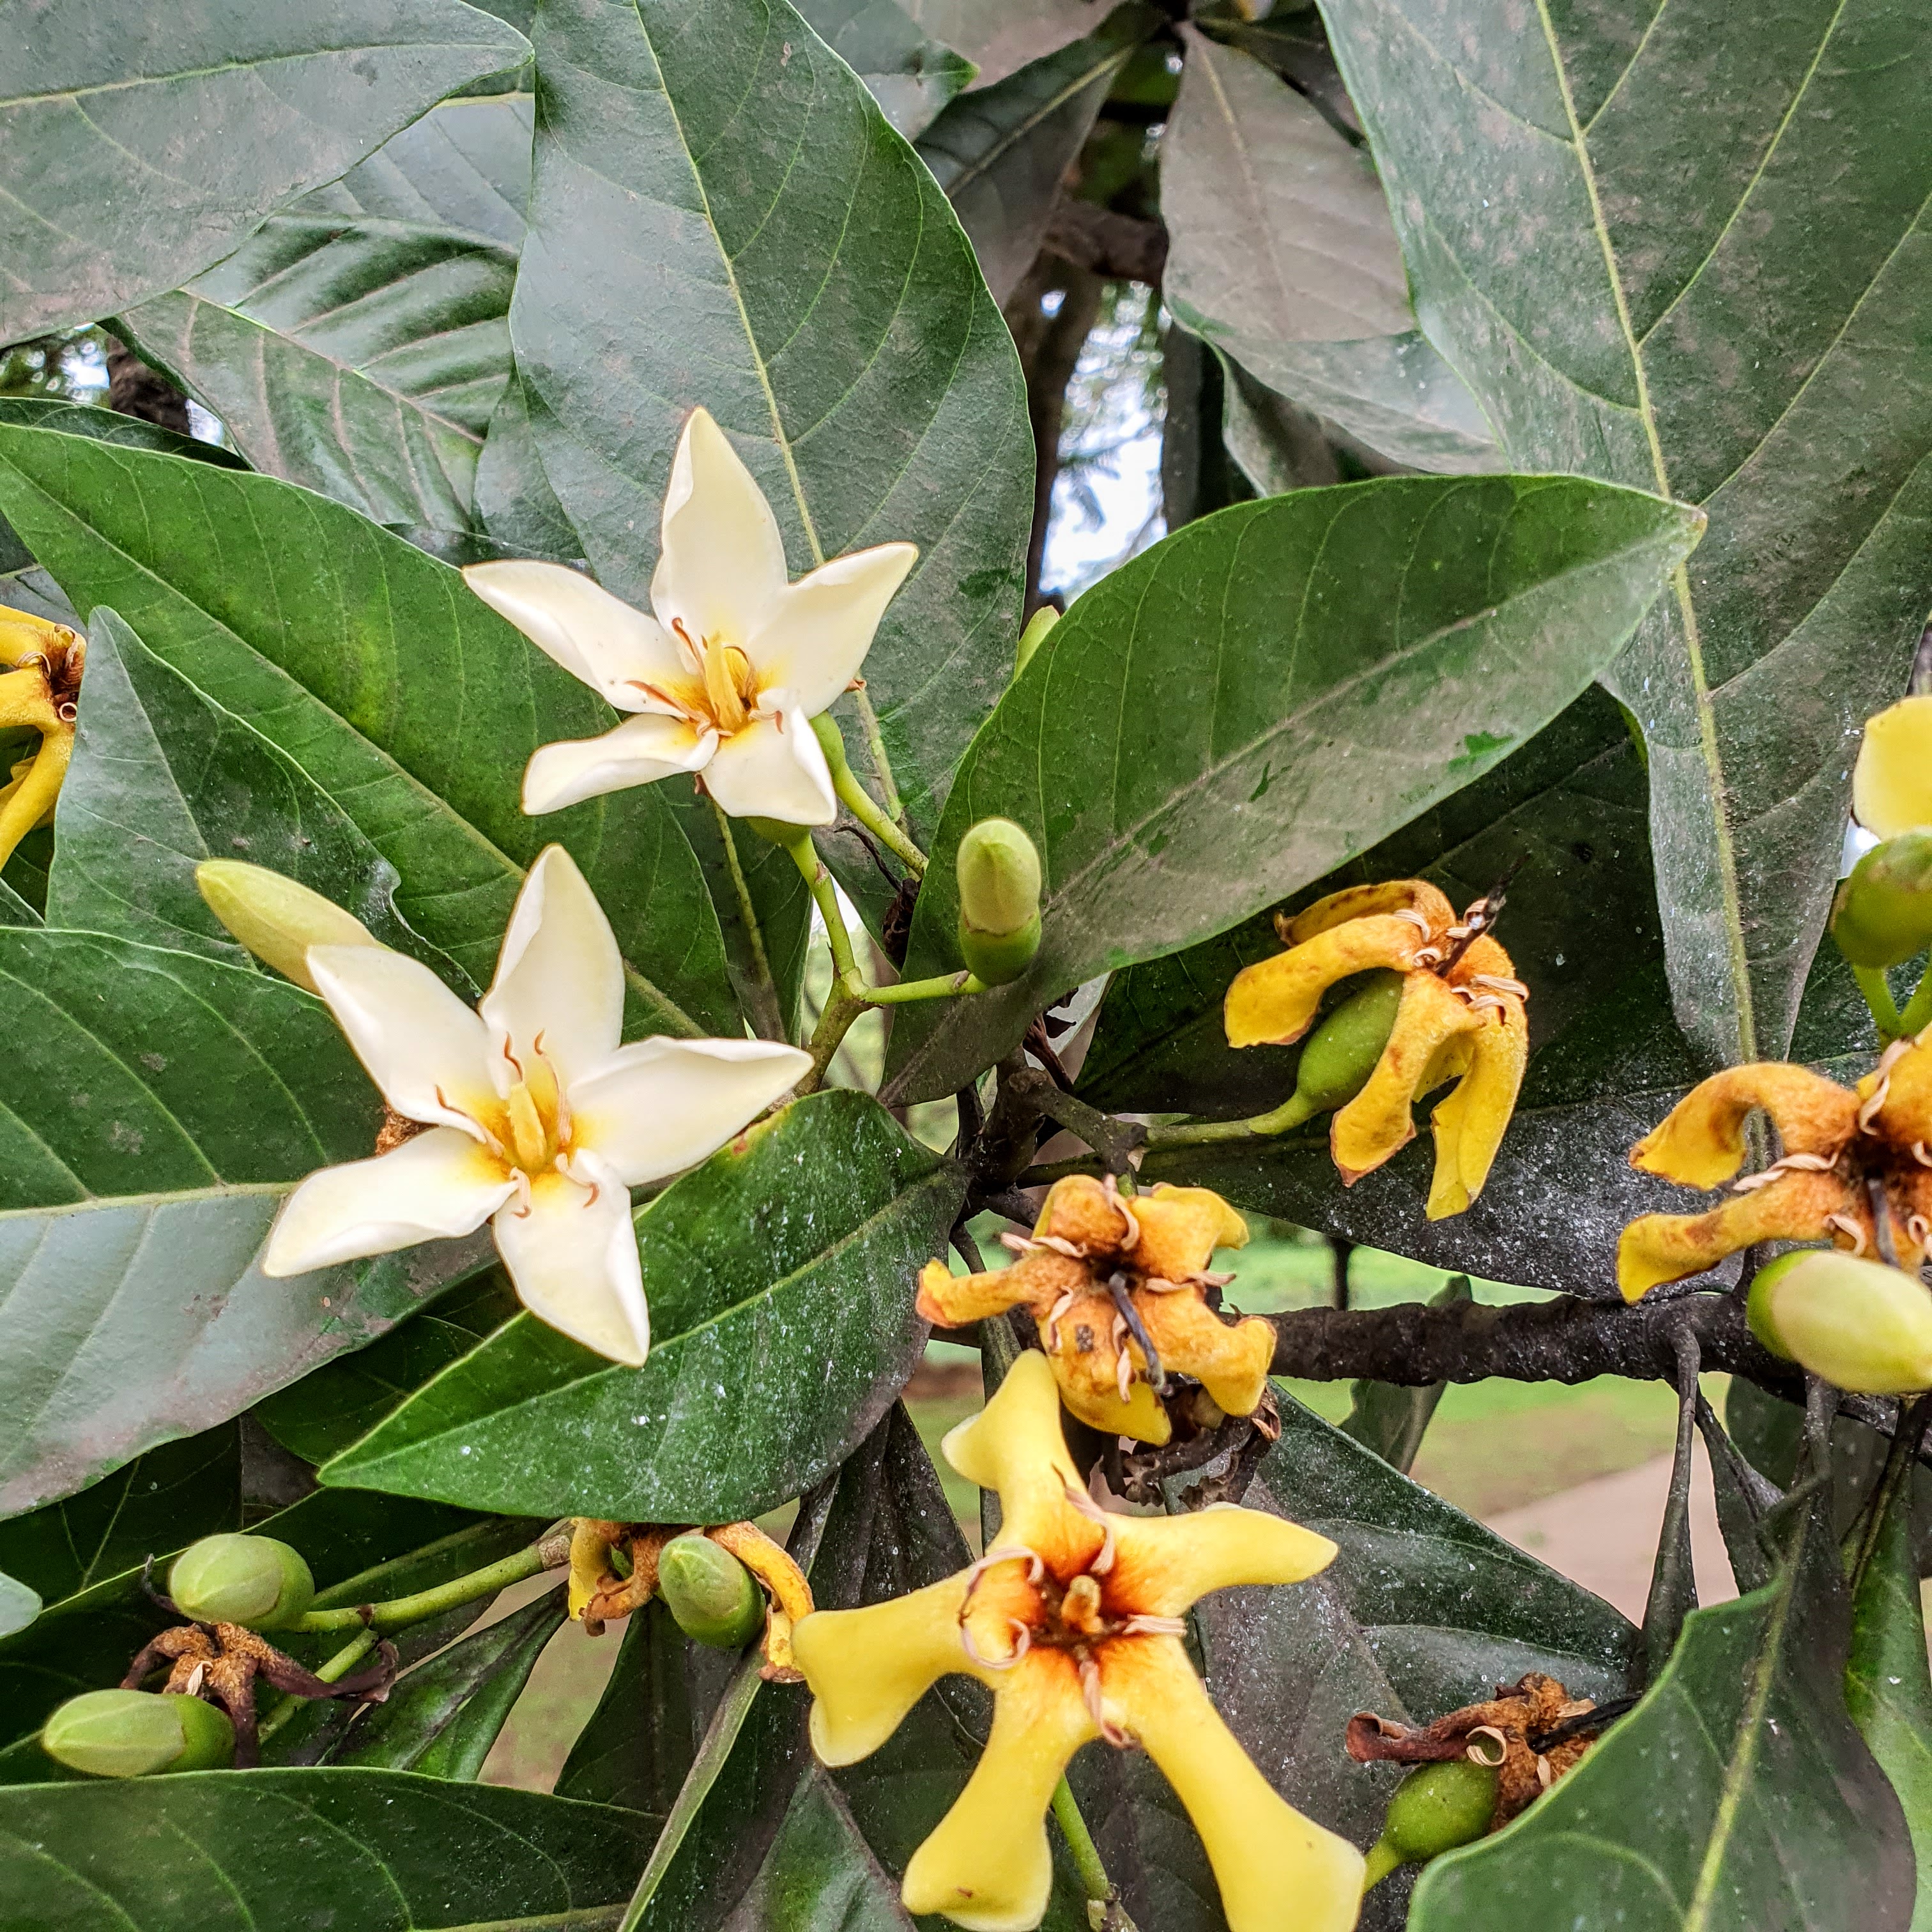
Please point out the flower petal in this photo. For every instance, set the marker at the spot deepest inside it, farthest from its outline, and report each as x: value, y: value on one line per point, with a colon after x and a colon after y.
x: 868, y: 1668
x: 1230, y: 1360
x: 987, y: 1867
x: 640, y: 752
x: 1379, y: 1121
x: 1077, y: 1208
x: 1274, y: 1002
x: 722, y: 565
x: 773, y: 769
x: 560, y: 976
x: 1389, y: 896
x: 1892, y: 783
x: 572, y: 1257
x: 1469, y: 1124
x: 24, y: 635
x: 1180, y: 1228
x: 1906, y: 1115
x: 436, y: 1185
x: 1165, y: 1564
x: 1039, y: 1280
x: 596, y: 636
x: 29, y: 800
x: 1083, y: 1341
x: 1273, y: 1866
x: 426, y: 1051
x: 1657, y: 1248
x: 1700, y: 1142
x: 815, y: 637
x: 657, y: 1106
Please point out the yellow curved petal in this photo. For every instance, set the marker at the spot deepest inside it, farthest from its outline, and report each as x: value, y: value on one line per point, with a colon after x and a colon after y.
x: 1380, y: 1120
x: 1469, y: 1124
x: 1014, y: 1445
x: 1165, y: 1564
x: 988, y: 1867
x: 1275, y: 1868
x: 1701, y: 1141
x: 590, y: 1541
x: 1077, y: 1208
x: 25, y: 701
x: 29, y: 801
x: 1892, y: 783
x: 24, y: 635
x: 1230, y: 1360
x: 1093, y: 1395
x: 1906, y: 1115
x: 1180, y: 1228
x: 1036, y: 1280
x: 868, y: 1668
x: 1273, y: 1003
x: 1365, y: 902
x: 1657, y: 1248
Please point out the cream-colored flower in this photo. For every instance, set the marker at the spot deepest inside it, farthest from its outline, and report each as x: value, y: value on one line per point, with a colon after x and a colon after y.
x: 728, y: 676
x: 535, y: 1119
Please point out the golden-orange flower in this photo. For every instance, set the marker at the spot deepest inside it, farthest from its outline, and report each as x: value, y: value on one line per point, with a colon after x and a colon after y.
x: 41, y: 690
x: 1111, y: 1279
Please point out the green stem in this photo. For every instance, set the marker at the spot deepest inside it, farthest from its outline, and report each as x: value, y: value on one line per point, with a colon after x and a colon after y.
x: 944, y: 987
x: 1291, y: 1113
x: 882, y: 766
x: 859, y: 802
x: 336, y: 1668
x: 763, y: 991
x: 845, y: 974
x: 1872, y: 982
x: 1383, y: 1859
x: 399, y: 1611
x: 1917, y: 1014
x: 1087, y: 1862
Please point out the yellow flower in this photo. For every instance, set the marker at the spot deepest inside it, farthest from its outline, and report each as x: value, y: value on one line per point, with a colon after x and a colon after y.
x: 1892, y: 784
x: 1460, y: 1019
x: 1843, y: 1152
x: 41, y: 690
x: 1106, y: 1278
x: 1073, y: 1619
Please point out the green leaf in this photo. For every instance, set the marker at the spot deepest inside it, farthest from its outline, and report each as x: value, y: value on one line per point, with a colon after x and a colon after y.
x: 819, y: 1875
x: 1373, y: 647
x: 830, y: 317
x: 638, y: 1746
x: 1392, y: 1420
x: 779, y: 1275
x: 1282, y: 254
x: 1709, y: 288
x: 358, y: 341
x: 138, y: 148
x: 154, y: 1107
x: 443, y: 1716
x: 384, y: 1851
x: 403, y: 697
x: 1001, y: 151
x: 999, y: 36
x: 1737, y: 1795
x: 910, y: 76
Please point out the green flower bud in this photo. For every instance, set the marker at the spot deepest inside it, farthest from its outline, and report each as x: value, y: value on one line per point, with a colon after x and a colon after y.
x: 999, y: 901
x: 137, y: 1733
x: 1883, y: 915
x: 1859, y: 1324
x: 1436, y: 1807
x: 1042, y: 621
x: 252, y: 1580
x: 276, y: 918
x: 1342, y: 1051
x: 709, y: 1592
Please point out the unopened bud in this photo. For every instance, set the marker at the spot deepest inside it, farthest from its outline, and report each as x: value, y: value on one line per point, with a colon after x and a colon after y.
x: 1342, y: 1051
x: 275, y: 918
x: 1042, y: 621
x: 137, y: 1734
x: 1858, y: 1324
x: 709, y: 1592
x: 232, y: 1579
x: 1883, y: 915
x: 1436, y: 1807
x: 999, y: 900
x: 1892, y: 783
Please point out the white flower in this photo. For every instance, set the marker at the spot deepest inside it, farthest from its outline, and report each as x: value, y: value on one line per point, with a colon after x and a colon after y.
x: 727, y: 675
x: 537, y: 1120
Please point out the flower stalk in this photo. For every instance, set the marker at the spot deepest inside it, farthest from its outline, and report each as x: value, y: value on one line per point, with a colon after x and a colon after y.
x: 549, y: 1552
x: 1104, y: 1909
x: 856, y: 799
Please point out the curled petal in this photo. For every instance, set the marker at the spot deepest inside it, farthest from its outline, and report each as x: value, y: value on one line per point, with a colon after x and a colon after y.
x: 816, y: 635
x: 1892, y: 783
x: 1469, y: 1123
x: 1273, y: 1866
x: 598, y: 638
x: 436, y: 1185
x: 1390, y: 895
x: 868, y: 1668
x: 1905, y: 1115
x: 1085, y: 1342
x: 1230, y: 1360
x: 1701, y: 1141
x: 1424, y: 1045
x: 1167, y: 1564
x: 24, y: 635
x: 1082, y: 1211
x: 1657, y: 1248
x: 987, y: 1867
x: 25, y: 702
x: 572, y: 1257
x: 1274, y: 1002
x: 1181, y: 1228
x: 1036, y: 1280
x: 29, y: 800
x: 721, y: 566
x: 768, y: 770
x: 640, y: 750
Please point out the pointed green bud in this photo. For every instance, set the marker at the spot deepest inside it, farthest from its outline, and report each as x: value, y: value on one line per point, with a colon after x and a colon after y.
x: 137, y: 1734
x: 1861, y: 1325
x: 275, y: 918
x: 232, y: 1579
x: 1883, y: 915
x: 1436, y: 1807
x: 1042, y: 621
x: 999, y: 901
x: 1342, y: 1051
x: 709, y: 1592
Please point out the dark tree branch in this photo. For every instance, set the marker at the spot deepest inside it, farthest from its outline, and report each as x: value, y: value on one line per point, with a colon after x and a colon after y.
x: 1120, y: 248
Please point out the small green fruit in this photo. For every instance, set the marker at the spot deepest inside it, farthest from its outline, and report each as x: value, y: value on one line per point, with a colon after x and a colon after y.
x: 999, y: 901
x: 709, y: 1592
x: 137, y: 1734
x: 1342, y: 1051
x: 1861, y: 1325
x: 275, y: 918
x: 252, y: 1580
x: 1436, y: 1807
x: 1883, y: 915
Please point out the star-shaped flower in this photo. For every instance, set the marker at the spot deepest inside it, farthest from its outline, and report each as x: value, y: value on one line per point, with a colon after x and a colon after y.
x: 41, y: 690
x: 726, y: 676
x: 534, y: 1117
x: 1074, y: 1619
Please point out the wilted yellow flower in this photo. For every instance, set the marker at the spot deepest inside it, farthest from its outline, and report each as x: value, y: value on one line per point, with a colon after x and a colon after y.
x: 1112, y: 1280
x: 1073, y: 1619
x: 1843, y: 1152
x: 1892, y: 783
x: 41, y: 689
x: 1460, y: 1019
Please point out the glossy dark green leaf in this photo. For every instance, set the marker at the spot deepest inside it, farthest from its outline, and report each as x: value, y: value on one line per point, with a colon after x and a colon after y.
x: 384, y: 1851
x: 1391, y: 1420
x: 830, y: 317
x: 1737, y: 1795
x: 137, y: 148
x: 1001, y: 151
x: 358, y: 341
x: 819, y: 1875
x: 154, y: 1107
x: 400, y: 693
x: 1695, y: 260
x: 910, y: 75
x: 779, y: 1275
x: 1282, y: 254
x: 1347, y: 658
x: 639, y: 1745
